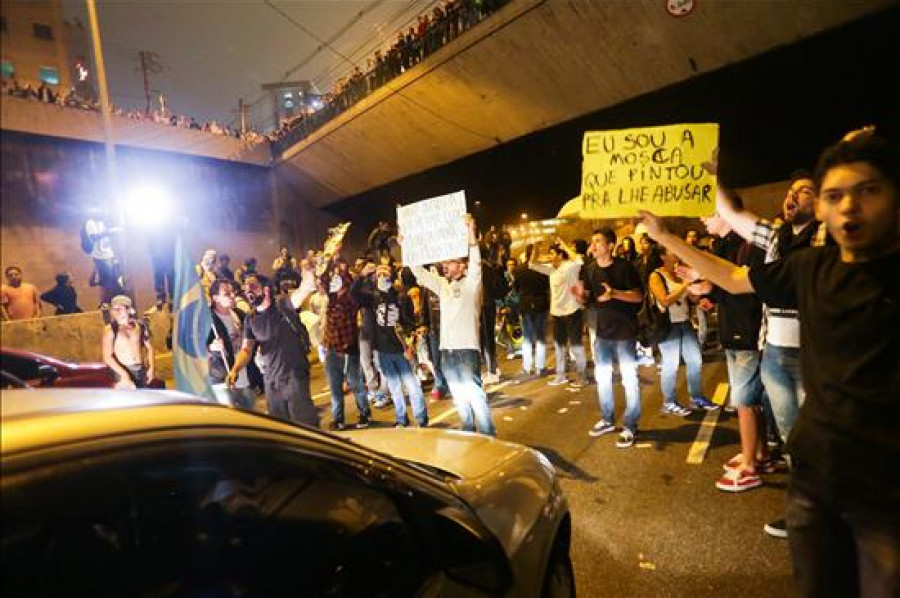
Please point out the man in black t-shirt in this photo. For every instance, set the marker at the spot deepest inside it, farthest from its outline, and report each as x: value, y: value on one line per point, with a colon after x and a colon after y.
x: 842, y: 513
x: 284, y: 345
x: 613, y: 286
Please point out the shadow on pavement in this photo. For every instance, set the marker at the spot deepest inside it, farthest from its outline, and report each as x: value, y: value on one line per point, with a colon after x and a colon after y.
x: 566, y: 468
x: 504, y: 401
x: 686, y: 434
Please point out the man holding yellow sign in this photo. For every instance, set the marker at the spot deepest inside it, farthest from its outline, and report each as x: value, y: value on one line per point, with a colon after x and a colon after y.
x: 653, y: 168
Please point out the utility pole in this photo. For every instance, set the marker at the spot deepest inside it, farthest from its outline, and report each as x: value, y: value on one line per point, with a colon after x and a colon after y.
x: 113, y: 195
x: 150, y: 65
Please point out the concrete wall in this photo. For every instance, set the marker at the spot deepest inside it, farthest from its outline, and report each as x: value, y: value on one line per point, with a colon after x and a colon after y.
x: 75, y: 337
x: 47, y: 185
x: 535, y: 64
x: 28, y: 116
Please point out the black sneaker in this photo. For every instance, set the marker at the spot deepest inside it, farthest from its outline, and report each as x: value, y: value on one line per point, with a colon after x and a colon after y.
x: 336, y: 426
x: 402, y: 424
x: 363, y: 422
x: 776, y: 529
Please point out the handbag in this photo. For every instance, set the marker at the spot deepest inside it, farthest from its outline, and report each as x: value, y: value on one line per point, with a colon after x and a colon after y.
x: 653, y: 325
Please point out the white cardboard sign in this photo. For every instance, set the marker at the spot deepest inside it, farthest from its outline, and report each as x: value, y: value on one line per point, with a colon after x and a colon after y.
x: 434, y: 229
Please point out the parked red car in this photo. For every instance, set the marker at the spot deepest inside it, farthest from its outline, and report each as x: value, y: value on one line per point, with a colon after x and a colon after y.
x: 40, y: 370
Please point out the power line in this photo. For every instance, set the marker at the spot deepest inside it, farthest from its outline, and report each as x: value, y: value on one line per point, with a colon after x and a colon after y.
x: 305, y: 30
x: 337, y: 35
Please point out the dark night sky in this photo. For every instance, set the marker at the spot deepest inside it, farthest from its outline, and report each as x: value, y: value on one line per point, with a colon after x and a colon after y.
x: 216, y: 51
x: 777, y: 112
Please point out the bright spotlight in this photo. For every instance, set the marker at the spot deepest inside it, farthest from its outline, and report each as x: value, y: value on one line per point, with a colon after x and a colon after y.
x: 148, y: 205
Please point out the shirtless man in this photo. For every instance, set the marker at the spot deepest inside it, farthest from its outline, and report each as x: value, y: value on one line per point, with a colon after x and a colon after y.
x: 122, y: 341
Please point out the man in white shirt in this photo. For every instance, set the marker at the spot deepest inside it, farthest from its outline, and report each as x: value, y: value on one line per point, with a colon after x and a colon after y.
x: 566, y: 311
x: 106, y: 266
x: 459, y: 291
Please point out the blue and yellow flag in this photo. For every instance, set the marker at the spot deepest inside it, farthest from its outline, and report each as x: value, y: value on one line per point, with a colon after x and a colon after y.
x: 192, y: 325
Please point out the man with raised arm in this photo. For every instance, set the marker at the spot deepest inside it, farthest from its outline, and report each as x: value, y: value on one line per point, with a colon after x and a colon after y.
x: 842, y: 521
x: 459, y: 290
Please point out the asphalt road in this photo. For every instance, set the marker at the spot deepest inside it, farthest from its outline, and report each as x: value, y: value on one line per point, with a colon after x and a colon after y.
x: 646, y: 522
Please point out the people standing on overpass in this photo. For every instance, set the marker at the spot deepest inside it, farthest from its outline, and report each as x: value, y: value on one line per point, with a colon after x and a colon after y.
x: 459, y: 290
x: 842, y: 522
x: 18, y: 300
x: 613, y: 285
x: 566, y: 311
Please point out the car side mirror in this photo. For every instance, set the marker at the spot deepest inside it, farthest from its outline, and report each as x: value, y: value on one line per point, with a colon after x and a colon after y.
x: 47, y: 374
x: 469, y: 553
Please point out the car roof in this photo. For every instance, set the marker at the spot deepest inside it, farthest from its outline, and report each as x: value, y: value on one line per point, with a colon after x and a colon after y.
x: 43, y: 417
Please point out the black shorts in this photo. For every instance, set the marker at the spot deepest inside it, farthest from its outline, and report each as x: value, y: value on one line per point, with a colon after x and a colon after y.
x: 568, y: 328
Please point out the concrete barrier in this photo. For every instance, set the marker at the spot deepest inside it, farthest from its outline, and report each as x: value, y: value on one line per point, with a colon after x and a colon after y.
x: 75, y: 337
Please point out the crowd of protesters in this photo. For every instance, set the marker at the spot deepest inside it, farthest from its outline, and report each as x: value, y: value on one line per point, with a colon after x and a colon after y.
x: 433, y: 30
x: 807, y: 317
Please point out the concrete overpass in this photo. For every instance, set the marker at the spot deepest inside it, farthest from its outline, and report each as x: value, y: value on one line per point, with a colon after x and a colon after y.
x: 532, y: 65
x: 48, y: 120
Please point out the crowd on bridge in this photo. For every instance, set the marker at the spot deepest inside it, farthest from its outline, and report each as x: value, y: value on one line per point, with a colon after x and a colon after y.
x: 430, y: 32
x: 159, y: 115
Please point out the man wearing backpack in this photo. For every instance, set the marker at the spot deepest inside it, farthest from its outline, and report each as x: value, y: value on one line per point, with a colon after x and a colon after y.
x: 284, y: 345
x: 123, y: 340
x: 95, y: 241
x: 613, y: 285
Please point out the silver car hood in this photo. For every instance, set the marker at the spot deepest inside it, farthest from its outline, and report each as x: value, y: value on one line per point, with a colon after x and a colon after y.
x: 508, y: 485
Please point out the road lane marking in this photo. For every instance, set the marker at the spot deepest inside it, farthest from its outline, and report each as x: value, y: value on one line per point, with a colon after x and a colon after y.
x: 441, y: 417
x: 698, y: 450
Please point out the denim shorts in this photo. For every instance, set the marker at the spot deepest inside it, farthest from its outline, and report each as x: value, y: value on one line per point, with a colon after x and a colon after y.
x: 744, y: 377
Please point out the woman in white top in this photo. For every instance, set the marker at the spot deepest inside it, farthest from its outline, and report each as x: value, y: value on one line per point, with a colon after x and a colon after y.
x: 672, y: 295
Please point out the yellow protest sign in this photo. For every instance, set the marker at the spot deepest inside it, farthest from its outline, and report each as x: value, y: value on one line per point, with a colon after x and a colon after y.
x: 658, y: 169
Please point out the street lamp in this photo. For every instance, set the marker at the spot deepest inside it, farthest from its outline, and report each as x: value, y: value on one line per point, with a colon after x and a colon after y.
x: 524, y: 216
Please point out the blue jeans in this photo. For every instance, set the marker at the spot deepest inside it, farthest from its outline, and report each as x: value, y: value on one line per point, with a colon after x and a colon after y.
x: 568, y: 330
x: 398, y: 375
x: 339, y: 366
x: 681, y: 343
x: 440, y: 382
x: 744, y: 377
x: 780, y: 371
x: 462, y: 367
x: 590, y: 322
x: 534, y: 341
x: 624, y: 351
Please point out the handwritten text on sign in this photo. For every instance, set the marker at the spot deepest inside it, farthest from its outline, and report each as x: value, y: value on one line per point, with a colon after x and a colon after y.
x: 434, y: 229
x: 658, y: 169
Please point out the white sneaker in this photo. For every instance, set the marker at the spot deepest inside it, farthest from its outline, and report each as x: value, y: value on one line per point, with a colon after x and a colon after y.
x: 675, y: 409
x: 602, y: 427
x: 625, y: 439
x: 557, y: 381
x: 490, y: 378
